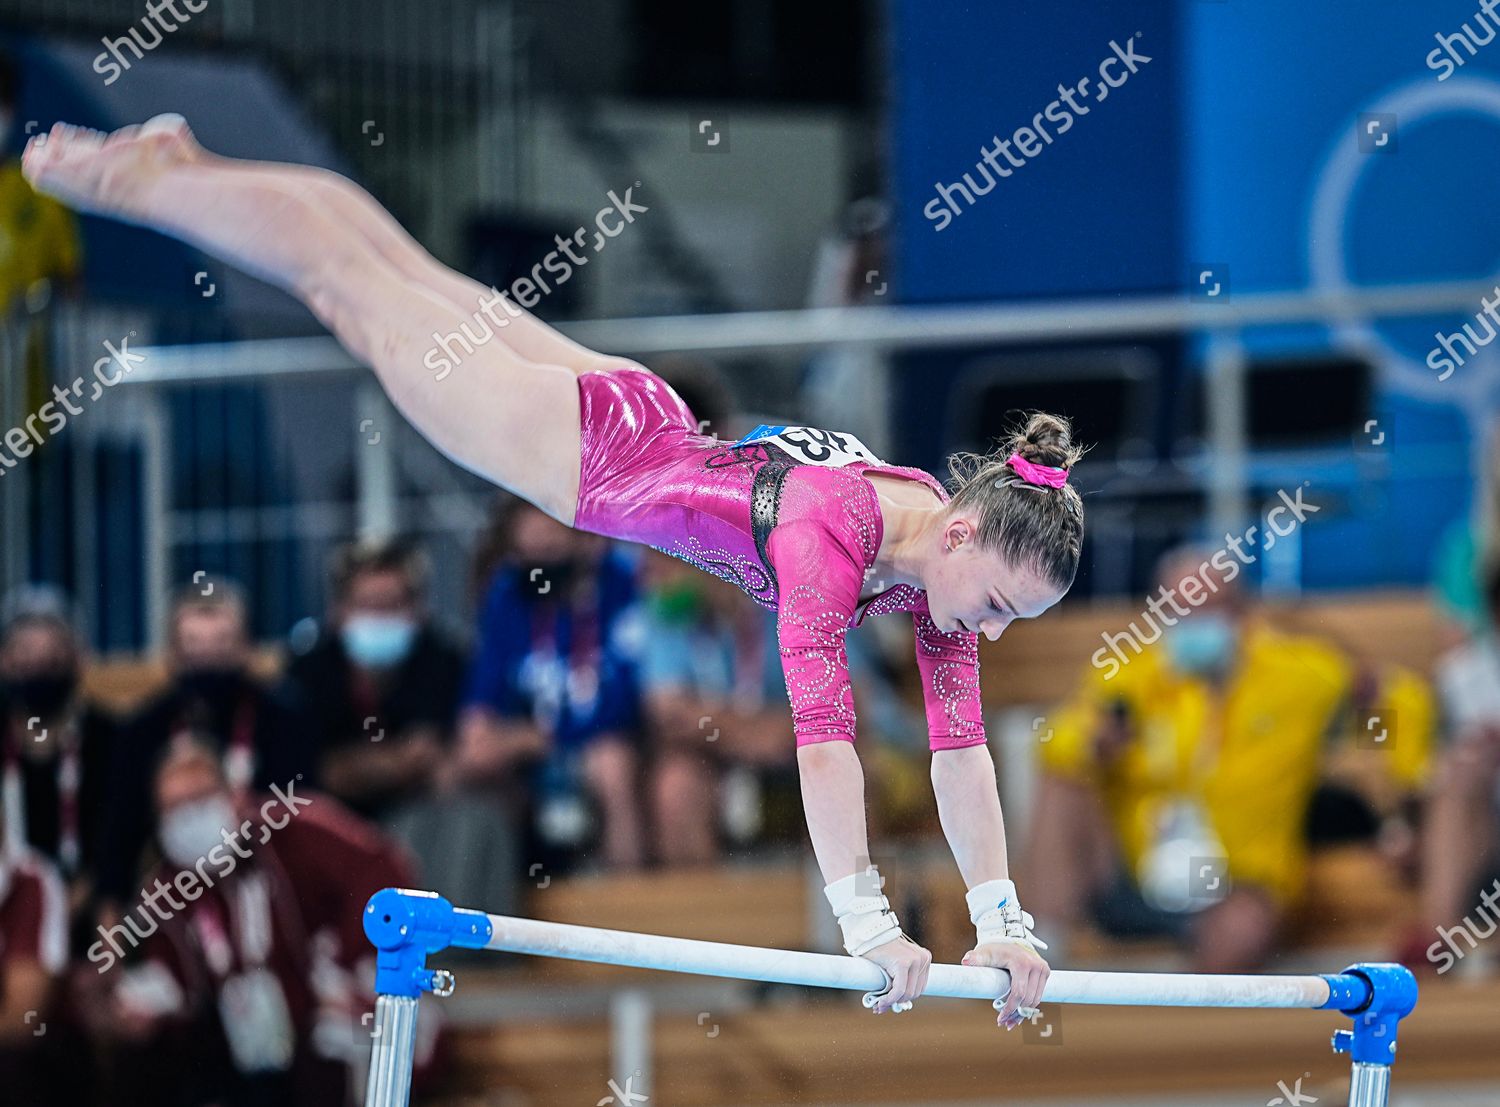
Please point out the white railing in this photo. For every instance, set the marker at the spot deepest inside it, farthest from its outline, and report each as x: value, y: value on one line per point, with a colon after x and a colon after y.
x: 1223, y: 323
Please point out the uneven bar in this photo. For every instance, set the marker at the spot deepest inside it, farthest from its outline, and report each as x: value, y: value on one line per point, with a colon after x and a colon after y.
x: 779, y: 966
x: 406, y: 926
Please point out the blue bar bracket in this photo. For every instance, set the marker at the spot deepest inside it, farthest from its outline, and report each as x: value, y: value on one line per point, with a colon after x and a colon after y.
x: 1377, y: 997
x: 405, y: 926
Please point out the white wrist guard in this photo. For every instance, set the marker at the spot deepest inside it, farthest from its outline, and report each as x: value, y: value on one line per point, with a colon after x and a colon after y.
x: 866, y: 920
x: 997, y: 916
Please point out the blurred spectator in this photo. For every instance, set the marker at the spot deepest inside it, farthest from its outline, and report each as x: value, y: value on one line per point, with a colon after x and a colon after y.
x: 381, y: 689
x: 57, y: 746
x: 250, y: 988
x: 1174, y: 788
x: 39, y: 242
x: 40, y: 255
x: 1461, y: 839
x: 552, y: 707
x: 706, y: 656
x: 213, y: 693
x: 33, y: 955
x: 1376, y: 774
x: 1468, y: 547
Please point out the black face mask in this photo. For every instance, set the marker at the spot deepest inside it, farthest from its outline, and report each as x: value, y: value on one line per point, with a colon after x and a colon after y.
x: 214, y: 684
x: 44, y: 695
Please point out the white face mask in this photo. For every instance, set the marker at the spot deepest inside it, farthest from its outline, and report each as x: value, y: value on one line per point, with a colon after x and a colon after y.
x: 190, y: 830
x: 378, y: 641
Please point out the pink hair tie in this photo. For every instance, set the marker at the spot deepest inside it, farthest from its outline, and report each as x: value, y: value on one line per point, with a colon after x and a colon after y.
x: 1033, y: 473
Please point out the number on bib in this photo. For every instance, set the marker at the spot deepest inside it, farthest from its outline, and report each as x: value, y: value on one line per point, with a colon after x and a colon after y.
x: 813, y: 446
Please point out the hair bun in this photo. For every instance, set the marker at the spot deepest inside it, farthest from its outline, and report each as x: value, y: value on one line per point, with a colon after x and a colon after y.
x: 1046, y: 440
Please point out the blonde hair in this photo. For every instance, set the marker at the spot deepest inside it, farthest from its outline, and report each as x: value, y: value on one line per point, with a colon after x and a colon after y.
x: 1030, y: 525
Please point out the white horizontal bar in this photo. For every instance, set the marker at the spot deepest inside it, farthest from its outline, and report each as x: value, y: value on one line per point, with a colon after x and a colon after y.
x: 880, y: 327
x: 952, y: 325
x: 780, y: 966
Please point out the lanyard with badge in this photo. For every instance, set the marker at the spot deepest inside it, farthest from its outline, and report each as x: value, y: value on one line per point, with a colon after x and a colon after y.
x: 563, y: 689
x: 67, y: 779
x: 561, y: 686
x: 239, y: 751
x: 253, y: 1010
x: 1182, y: 868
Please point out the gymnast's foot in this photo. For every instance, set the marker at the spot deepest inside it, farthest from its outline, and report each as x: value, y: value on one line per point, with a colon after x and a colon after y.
x: 108, y: 174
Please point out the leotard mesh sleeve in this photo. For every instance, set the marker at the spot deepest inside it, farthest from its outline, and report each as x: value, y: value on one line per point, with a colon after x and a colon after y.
x: 819, y: 583
x: 949, y: 664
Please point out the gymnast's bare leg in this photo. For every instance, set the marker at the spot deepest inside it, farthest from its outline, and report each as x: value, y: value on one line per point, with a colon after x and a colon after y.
x: 326, y: 241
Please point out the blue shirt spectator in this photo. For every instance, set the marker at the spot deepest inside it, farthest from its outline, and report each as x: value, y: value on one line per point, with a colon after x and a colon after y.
x: 561, y: 652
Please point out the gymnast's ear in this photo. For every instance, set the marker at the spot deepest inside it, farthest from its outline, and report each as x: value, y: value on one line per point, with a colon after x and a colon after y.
x: 958, y: 531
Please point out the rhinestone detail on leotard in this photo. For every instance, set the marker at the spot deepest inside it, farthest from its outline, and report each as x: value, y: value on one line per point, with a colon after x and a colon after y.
x: 647, y: 476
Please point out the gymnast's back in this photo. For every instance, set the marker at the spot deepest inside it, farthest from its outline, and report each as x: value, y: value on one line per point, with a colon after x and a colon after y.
x: 647, y: 475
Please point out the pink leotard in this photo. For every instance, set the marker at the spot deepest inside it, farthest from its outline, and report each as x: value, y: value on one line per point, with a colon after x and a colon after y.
x: 799, y: 538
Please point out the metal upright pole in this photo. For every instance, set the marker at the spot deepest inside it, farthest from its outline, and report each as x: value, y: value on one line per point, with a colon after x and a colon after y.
x: 392, y: 1052
x: 405, y: 926
x: 1370, y: 1085
x: 1371, y: 1045
x: 1228, y: 492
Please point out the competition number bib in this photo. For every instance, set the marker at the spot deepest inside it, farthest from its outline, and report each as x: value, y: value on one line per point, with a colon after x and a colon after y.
x: 813, y: 446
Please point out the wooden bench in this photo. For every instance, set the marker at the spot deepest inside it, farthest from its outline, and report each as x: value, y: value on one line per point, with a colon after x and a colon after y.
x: 829, y: 1050
x: 1353, y: 901
x: 1040, y: 661
x: 124, y: 683
x: 764, y: 905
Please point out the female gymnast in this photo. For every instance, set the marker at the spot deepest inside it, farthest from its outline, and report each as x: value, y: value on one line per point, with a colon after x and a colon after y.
x: 809, y: 523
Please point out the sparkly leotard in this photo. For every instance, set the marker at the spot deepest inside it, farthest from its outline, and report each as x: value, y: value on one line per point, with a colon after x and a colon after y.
x: 799, y: 537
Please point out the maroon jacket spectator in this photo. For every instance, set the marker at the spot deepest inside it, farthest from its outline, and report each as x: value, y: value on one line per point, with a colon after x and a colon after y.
x: 254, y: 973
x: 55, y: 747
x: 214, y: 695
x: 33, y: 954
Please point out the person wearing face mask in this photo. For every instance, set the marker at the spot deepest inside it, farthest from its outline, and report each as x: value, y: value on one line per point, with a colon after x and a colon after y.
x: 248, y: 987
x: 381, y: 687
x: 55, y: 750
x: 1174, y: 786
x: 213, y: 692
x: 55, y: 746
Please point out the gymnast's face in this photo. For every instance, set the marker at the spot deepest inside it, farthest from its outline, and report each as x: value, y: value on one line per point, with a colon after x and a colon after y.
x: 973, y: 589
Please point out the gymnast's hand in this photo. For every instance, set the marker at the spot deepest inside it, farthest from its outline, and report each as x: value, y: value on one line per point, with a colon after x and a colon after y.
x: 907, y: 964
x: 1028, y: 976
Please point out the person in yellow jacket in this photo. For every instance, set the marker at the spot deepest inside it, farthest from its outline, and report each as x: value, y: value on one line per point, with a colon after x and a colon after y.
x: 40, y: 250
x: 39, y: 242
x: 38, y: 236
x: 1174, y: 786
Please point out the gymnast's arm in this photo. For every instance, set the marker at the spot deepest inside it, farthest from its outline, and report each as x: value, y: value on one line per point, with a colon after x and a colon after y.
x: 963, y: 773
x: 968, y: 799
x: 818, y: 584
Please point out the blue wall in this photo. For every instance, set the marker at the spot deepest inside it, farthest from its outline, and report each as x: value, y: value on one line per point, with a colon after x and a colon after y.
x: 1096, y: 210
x: 1213, y: 153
